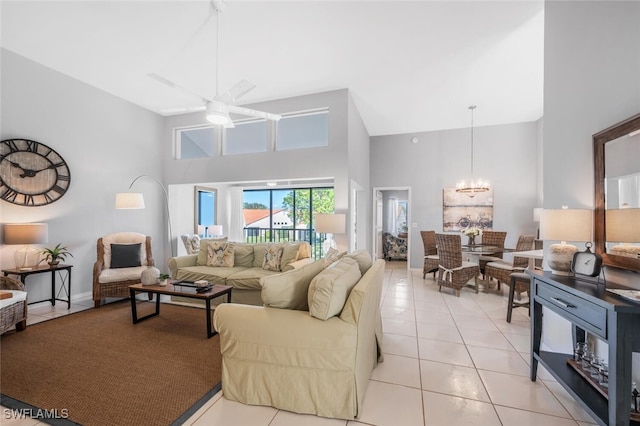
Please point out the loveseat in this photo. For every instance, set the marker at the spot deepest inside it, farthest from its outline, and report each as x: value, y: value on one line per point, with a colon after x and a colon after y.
x: 313, y: 345
x: 240, y: 265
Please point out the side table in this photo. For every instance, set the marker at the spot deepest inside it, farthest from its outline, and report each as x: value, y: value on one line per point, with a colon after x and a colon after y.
x: 65, y: 281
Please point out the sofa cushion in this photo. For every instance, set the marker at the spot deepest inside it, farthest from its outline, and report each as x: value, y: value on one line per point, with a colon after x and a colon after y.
x: 216, y: 276
x: 289, y: 254
x: 243, y: 255
x: 258, y: 254
x: 203, y: 252
x: 125, y: 255
x: 220, y: 254
x: 120, y: 274
x: 304, y: 252
x: 273, y: 257
x: 248, y: 278
x: 363, y: 258
x: 289, y: 290
x: 15, y: 297
x: 329, y: 289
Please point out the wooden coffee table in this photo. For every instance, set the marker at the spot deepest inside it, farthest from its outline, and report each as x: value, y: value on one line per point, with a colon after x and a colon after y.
x: 177, y: 290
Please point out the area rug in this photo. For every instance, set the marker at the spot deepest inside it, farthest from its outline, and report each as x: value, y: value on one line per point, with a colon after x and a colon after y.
x: 97, y: 368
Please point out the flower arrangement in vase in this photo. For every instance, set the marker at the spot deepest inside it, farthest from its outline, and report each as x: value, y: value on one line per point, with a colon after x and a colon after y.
x: 472, y: 232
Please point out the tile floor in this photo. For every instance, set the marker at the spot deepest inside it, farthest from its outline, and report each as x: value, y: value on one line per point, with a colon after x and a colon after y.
x: 448, y: 361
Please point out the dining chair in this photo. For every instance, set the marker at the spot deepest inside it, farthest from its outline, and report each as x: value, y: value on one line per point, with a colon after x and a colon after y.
x: 431, y: 258
x: 501, y: 270
x: 453, y: 272
x: 495, y: 239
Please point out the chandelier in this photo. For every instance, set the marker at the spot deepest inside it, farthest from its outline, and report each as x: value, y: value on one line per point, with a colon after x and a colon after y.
x: 472, y: 186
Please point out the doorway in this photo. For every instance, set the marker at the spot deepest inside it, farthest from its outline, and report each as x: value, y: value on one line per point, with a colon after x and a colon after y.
x: 391, y: 214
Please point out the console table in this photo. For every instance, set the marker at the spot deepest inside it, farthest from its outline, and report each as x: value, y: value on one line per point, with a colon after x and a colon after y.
x: 589, y: 308
x: 24, y: 273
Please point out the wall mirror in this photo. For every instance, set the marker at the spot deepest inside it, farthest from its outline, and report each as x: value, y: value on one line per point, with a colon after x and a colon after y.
x: 616, y: 151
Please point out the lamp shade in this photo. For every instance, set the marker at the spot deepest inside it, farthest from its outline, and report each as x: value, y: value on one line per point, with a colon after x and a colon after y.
x: 26, y: 233
x: 623, y: 226
x: 330, y: 223
x: 566, y: 224
x: 129, y: 200
x: 215, y: 230
x: 536, y: 214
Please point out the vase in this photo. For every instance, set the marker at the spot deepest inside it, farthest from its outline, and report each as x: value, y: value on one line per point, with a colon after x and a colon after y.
x: 472, y: 241
x: 54, y: 263
x: 149, y: 276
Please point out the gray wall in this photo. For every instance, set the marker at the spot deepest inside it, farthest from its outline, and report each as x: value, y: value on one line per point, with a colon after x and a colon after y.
x: 106, y: 141
x: 506, y: 155
x: 592, y: 64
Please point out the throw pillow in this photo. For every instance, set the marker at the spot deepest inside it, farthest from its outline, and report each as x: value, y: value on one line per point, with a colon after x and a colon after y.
x: 289, y: 255
x: 125, y: 255
x: 289, y: 289
x: 220, y: 254
x: 329, y: 289
x: 363, y: 258
x: 304, y: 251
x: 272, y: 257
x: 331, y: 256
x: 203, y: 253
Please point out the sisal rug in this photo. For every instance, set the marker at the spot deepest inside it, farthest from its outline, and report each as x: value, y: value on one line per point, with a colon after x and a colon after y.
x: 97, y: 368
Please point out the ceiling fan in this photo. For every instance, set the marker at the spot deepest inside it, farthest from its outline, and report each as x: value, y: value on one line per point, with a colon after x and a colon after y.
x: 218, y: 107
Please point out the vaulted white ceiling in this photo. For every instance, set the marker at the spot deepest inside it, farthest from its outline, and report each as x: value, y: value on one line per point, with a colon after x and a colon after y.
x: 410, y: 66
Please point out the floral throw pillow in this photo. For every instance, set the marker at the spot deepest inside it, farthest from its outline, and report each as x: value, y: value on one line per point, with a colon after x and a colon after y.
x: 272, y: 257
x: 220, y: 254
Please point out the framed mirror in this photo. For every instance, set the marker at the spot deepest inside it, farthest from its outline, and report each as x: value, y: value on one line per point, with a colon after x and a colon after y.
x: 617, y: 194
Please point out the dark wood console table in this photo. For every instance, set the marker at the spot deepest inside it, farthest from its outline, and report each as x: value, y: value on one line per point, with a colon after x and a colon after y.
x: 589, y: 308
x: 64, y: 285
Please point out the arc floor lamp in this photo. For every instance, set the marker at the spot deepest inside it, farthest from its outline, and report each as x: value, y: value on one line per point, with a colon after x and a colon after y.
x: 135, y: 200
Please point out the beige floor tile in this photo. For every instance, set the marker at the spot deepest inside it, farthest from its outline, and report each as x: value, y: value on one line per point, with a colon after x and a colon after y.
x: 516, y: 326
x: 398, y: 370
x: 474, y: 323
x: 397, y: 344
x: 450, y: 353
x: 436, y: 332
x: 521, y: 342
x: 511, y: 416
x: 226, y: 412
x: 488, y: 339
x: 395, y: 326
x: 286, y: 418
x: 436, y: 318
x: 429, y: 306
x: 498, y: 360
x: 572, y: 406
x: 204, y: 408
x: 388, y: 404
x: 452, y: 380
x: 520, y: 392
x: 395, y: 312
x: 447, y: 410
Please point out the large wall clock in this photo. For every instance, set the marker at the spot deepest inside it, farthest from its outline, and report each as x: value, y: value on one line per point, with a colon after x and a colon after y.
x: 31, y: 173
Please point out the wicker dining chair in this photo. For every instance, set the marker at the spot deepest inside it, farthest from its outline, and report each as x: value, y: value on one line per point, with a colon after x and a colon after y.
x: 501, y: 271
x: 453, y: 272
x: 431, y: 258
x: 495, y: 239
x: 15, y: 313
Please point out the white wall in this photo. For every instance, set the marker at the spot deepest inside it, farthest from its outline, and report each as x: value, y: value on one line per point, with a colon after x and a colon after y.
x: 106, y: 141
x: 592, y: 64
x: 506, y: 155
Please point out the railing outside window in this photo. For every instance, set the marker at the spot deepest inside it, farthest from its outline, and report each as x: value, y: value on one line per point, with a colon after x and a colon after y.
x: 265, y: 235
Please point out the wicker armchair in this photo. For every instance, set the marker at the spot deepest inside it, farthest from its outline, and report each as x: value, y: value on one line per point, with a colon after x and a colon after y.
x: 492, y: 238
x: 115, y: 282
x: 13, y: 311
x: 431, y: 258
x: 501, y: 271
x: 452, y: 271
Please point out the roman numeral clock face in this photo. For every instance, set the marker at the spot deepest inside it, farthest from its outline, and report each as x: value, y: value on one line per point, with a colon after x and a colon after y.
x: 31, y: 173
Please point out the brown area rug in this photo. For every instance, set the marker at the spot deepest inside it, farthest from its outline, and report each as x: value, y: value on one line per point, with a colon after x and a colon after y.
x: 104, y: 370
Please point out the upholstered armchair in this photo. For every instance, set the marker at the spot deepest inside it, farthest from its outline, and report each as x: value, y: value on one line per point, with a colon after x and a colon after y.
x: 13, y: 310
x: 121, y: 258
x: 394, y: 247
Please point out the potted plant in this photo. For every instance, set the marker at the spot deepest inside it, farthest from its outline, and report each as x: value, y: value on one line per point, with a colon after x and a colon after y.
x: 54, y: 255
x: 164, y: 278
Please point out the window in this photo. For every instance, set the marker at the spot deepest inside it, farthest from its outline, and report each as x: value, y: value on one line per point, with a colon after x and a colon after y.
x: 303, y: 130
x: 246, y: 137
x: 278, y: 215
x: 195, y: 142
x: 205, y: 209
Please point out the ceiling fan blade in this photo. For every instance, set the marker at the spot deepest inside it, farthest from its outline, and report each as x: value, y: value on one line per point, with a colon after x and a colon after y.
x: 170, y: 83
x: 253, y: 113
x: 240, y: 89
x: 182, y: 110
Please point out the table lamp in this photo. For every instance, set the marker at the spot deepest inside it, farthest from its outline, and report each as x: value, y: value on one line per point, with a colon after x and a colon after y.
x: 27, y: 257
x: 330, y: 224
x: 564, y: 225
x: 623, y: 226
x: 216, y: 231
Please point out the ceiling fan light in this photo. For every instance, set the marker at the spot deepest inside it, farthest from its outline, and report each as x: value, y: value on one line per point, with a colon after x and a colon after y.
x: 217, y: 113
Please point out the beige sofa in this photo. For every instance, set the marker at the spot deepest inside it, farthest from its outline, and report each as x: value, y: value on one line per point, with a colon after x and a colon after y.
x: 292, y: 360
x: 244, y: 276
